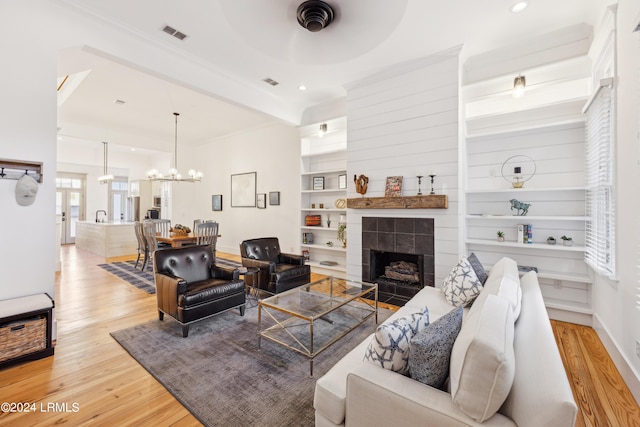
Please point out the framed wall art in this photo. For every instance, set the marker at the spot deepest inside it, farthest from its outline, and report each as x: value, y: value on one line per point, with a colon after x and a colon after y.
x: 243, y: 190
x: 216, y: 202
x: 274, y: 198
x: 262, y: 200
x: 342, y: 181
x: 318, y: 182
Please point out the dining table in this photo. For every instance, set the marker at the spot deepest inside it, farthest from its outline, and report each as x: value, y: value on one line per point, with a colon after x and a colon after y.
x: 176, y: 240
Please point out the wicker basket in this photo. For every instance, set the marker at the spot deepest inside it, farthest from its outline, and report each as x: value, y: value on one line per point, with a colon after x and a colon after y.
x: 23, y: 337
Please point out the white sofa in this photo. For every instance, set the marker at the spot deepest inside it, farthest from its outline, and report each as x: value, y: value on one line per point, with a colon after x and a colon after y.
x: 359, y: 393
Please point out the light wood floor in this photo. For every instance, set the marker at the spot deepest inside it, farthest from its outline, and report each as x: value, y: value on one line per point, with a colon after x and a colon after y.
x: 92, y: 380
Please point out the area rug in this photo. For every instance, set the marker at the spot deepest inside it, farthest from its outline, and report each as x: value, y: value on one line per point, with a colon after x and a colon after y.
x: 126, y: 271
x: 219, y: 375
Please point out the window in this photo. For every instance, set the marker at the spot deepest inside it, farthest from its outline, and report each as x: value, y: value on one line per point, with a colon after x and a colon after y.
x: 600, y: 203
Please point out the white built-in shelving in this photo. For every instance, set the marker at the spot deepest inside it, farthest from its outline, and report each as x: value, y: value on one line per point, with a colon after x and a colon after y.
x: 323, y: 156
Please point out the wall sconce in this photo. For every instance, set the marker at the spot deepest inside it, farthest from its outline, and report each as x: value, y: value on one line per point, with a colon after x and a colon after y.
x: 323, y: 129
x: 519, y: 84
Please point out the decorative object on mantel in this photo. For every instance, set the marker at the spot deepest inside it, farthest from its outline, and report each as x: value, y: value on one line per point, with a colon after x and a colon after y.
x: 567, y: 241
x: 340, y: 203
x: 521, y: 208
x: 174, y: 175
x: 551, y: 240
x: 437, y: 201
x: 361, y: 184
x: 16, y: 169
x: 432, y: 177
x: 26, y: 190
x: 419, y: 183
x: 523, y: 167
x: 393, y: 187
x: 500, y: 235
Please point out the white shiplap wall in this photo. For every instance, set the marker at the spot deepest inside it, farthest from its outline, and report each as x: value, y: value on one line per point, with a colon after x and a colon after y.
x: 404, y: 121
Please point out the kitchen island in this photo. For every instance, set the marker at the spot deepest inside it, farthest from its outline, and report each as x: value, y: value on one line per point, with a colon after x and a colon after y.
x: 107, y: 239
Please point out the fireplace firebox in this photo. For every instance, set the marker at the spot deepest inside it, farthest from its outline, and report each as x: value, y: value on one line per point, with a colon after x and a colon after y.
x: 398, y: 255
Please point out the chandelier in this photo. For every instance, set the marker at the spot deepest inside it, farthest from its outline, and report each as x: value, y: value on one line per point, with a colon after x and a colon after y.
x: 174, y: 175
x: 106, y: 177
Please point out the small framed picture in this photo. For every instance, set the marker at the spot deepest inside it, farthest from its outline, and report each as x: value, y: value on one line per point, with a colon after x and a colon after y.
x: 318, y: 182
x: 262, y: 200
x: 274, y: 198
x: 216, y: 202
x: 342, y: 181
x: 393, y: 187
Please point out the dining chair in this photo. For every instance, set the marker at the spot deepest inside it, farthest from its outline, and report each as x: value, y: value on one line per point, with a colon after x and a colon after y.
x: 150, y: 236
x: 206, y: 233
x: 161, y: 227
x: 200, y: 221
x: 143, y: 247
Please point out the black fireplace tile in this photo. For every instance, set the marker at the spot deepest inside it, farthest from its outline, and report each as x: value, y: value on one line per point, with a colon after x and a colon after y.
x: 369, y: 223
x: 386, y: 225
x: 386, y: 242
x: 370, y: 240
x: 428, y: 265
x: 424, y: 244
x: 424, y: 226
x: 405, y: 225
x: 366, y: 275
x: 366, y: 256
x: 430, y: 280
x: 405, y: 243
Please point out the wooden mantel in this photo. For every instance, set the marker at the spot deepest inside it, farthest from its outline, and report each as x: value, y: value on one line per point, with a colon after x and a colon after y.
x: 431, y: 201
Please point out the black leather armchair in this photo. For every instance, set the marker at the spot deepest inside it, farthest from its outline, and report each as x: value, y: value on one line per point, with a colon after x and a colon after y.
x: 279, y: 272
x: 190, y: 287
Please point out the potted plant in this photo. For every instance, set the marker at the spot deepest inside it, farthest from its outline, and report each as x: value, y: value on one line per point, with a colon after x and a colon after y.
x: 500, y: 236
x: 567, y: 241
x: 342, y: 235
x: 551, y: 240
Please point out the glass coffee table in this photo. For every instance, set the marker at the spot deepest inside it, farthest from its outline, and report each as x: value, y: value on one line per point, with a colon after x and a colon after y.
x: 311, y: 317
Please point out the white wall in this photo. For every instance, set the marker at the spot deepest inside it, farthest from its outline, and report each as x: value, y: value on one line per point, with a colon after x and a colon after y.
x: 273, y: 152
x: 617, y: 317
x: 28, y: 133
x: 404, y: 121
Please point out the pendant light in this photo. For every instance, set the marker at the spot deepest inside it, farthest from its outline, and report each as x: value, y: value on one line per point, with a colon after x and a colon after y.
x: 105, y: 177
x: 174, y: 175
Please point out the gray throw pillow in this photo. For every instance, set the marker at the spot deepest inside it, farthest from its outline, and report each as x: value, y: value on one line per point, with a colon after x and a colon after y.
x: 431, y: 349
x: 477, y: 267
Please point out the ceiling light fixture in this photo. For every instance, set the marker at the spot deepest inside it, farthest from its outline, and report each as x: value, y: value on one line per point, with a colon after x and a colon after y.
x: 518, y: 6
x: 302, y: 87
x: 173, y: 175
x: 314, y: 15
x: 106, y: 177
x: 519, y: 84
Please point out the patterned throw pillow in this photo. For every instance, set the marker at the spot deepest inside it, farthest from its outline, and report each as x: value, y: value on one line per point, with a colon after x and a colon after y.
x: 389, y: 346
x: 478, y: 268
x: 462, y: 286
x: 431, y: 349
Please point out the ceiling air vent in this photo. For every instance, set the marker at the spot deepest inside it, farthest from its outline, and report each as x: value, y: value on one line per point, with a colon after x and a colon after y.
x: 173, y: 32
x: 270, y: 81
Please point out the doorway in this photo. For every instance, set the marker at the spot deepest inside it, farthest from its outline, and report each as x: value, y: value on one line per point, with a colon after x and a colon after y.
x: 70, y: 196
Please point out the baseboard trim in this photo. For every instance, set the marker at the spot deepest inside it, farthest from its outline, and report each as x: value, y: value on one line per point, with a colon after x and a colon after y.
x: 630, y: 376
x: 569, y: 316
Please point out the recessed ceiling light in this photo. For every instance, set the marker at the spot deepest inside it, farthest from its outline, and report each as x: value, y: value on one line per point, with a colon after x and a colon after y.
x: 133, y: 149
x: 518, y: 6
x: 302, y: 87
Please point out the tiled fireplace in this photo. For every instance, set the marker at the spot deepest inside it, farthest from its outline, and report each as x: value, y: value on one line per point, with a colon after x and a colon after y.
x: 398, y: 254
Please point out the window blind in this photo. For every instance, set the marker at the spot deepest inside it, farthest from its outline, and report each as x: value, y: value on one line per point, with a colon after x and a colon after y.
x: 600, y: 203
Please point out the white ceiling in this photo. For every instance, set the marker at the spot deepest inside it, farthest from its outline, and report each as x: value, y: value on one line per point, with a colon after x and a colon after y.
x: 248, y: 40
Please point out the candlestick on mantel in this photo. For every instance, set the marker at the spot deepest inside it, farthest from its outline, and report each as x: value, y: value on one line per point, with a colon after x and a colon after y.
x: 432, y: 177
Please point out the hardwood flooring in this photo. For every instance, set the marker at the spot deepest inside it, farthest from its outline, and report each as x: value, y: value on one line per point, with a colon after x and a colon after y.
x: 92, y: 380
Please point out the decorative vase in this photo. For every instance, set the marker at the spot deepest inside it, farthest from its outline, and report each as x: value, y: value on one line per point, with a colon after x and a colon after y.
x: 551, y: 241
x: 567, y: 242
x: 501, y: 239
